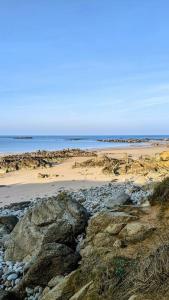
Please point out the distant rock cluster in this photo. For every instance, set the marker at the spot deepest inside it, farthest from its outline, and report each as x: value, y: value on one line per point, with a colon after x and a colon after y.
x: 38, y: 159
x: 130, y: 140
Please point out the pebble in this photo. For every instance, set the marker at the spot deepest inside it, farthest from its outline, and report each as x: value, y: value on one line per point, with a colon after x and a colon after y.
x: 94, y: 199
x: 11, y: 277
x: 11, y: 272
x: 29, y: 291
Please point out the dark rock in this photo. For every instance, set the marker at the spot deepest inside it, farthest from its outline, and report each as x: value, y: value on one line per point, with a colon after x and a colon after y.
x: 57, y: 219
x: 5, y: 295
x: 9, y: 222
x: 54, y: 259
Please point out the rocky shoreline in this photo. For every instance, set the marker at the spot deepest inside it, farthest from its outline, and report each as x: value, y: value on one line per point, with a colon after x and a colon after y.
x: 13, y: 162
x: 19, y: 268
x: 90, y: 244
x: 132, y: 140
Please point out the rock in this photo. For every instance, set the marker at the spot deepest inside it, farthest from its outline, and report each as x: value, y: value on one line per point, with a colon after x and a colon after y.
x: 60, y: 291
x: 136, y: 230
x: 100, y: 221
x: 133, y: 297
x: 9, y: 222
x: 38, y: 159
x: 6, y: 295
x: 55, y: 280
x: 57, y: 219
x: 82, y: 292
x: 164, y: 156
x: 120, y: 199
x: 45, y: 291
x: 12, y: 276
x: 117, y: 244
x: 54, y: 259
x: 114, y: 228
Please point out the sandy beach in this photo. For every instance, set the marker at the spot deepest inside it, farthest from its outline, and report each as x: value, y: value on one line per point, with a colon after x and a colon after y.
x: 26, y: 184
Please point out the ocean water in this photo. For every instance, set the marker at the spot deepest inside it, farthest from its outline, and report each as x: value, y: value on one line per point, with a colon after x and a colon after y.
x: 10, y: 144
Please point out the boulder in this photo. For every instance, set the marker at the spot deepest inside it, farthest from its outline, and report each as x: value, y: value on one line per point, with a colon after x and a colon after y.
x: 119, y: 199
x: 136, y: 231
x: 62, y: 290
x: 57, y: 219
x: 53, y: 260
x: 100, y: 221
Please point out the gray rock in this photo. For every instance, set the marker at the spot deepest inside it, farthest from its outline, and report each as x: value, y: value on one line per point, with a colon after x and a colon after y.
x: 58, y: 219
x: 11, y: 277
x: 7, y: 295
x: 9, y: 222
x: 54, y: 259
x: 119, y: 199
x: 29, y: 291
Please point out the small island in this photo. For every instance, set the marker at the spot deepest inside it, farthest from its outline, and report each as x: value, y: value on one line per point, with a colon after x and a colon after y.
x: 22, y: 137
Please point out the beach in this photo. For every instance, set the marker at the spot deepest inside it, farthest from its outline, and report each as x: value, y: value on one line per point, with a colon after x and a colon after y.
x: 29, y: 184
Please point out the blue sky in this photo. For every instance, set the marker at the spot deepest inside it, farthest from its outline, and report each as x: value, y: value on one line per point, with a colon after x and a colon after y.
x: 84, y: 67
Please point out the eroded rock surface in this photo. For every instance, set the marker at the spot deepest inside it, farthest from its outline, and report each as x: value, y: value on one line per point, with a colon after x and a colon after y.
x: 59, y: 219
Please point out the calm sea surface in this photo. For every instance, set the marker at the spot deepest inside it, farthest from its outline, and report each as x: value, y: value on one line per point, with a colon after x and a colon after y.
x: 10, y: 144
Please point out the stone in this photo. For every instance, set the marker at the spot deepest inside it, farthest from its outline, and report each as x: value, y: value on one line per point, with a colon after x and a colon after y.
x: 11, y: 277
x: 57, y: 219
x: 136, y: 230
x: 133, y: 297
x: 29, y: 291
x: 82, y: 292
x: 117, y: 244
x: 55, y: 280
x: 45, y: 291
x: 7, y: 295
x: 9, y: 221
x: 100, y: 221
x: 119, y: 199
x: 114, y: 228
x: 60, y: 291
x: 164, y: 156
x: 54, y: 259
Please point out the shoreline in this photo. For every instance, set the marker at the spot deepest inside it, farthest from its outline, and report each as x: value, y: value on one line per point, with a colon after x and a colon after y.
x: 27, y: 184
x: 126, y: 146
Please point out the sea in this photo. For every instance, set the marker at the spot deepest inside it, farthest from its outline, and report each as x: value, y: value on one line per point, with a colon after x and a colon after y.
x: 20, y: 144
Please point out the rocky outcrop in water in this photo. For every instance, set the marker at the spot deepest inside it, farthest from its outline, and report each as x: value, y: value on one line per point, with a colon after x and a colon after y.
x: 130, y: 140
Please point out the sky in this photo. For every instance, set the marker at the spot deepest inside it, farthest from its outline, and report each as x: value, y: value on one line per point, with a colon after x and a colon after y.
x: 84, y: 67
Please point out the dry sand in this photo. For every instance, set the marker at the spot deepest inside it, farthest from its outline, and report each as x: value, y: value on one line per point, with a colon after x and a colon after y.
x: 26, y: 184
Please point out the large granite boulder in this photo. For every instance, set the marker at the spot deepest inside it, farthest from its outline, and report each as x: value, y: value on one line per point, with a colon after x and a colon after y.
x: 53, y: 260
x: 57, y: 219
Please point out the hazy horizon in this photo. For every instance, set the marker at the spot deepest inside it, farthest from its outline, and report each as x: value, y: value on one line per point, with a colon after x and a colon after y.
x: 84, y: 67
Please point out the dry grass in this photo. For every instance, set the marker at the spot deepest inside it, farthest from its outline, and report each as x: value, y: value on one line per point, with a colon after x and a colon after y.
x: 161, y: 193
